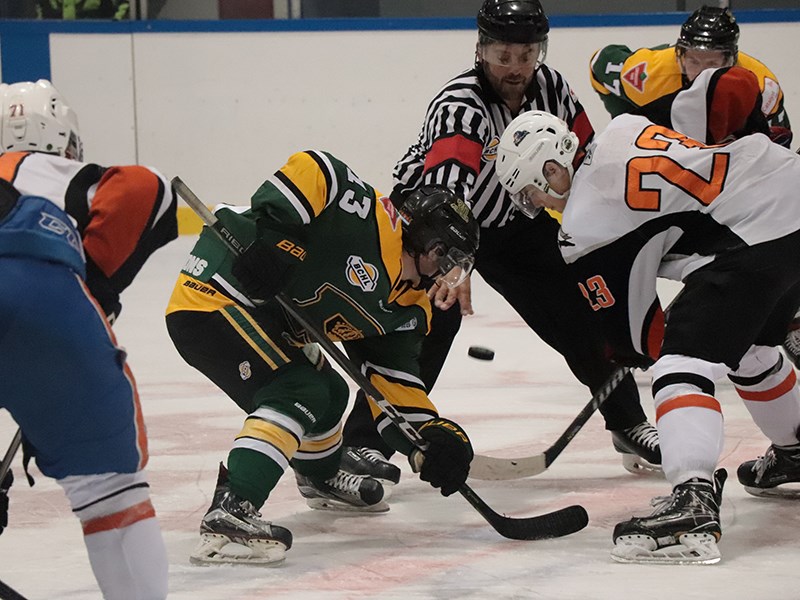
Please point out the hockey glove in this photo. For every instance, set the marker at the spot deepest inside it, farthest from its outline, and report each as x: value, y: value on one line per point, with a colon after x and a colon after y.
x: 265, y: 266
x: 5, y: 485
x: 447, y: 459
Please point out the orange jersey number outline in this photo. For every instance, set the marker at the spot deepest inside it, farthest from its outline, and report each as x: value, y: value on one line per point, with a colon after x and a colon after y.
x: 656, y: 137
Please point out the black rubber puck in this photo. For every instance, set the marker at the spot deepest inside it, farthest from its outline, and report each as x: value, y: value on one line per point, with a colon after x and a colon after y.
x: 481, y: 353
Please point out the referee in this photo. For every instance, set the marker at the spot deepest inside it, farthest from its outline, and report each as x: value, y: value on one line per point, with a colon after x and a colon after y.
x: 517, y: 256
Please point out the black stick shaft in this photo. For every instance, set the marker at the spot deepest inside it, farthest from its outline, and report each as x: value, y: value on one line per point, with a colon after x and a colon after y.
x: 500, y: 523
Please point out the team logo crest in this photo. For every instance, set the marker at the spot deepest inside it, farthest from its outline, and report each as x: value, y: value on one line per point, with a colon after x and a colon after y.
x: 636, y: 76
x: 519, y: 136
x: 339, y: 329
x: 361, y: 274
x: 490, y: 151
x: 245, y: 372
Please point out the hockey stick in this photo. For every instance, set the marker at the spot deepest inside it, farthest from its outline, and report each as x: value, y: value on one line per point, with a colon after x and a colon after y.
x: 10, y: 453
x: 497, y: 469
x: 555, y: 524
x: 9, y: 593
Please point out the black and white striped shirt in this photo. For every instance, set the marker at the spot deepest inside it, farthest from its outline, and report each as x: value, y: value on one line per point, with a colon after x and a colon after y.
x: 457, y: 146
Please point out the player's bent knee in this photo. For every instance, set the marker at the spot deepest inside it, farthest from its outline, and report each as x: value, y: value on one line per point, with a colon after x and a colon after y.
x: 676, y: 375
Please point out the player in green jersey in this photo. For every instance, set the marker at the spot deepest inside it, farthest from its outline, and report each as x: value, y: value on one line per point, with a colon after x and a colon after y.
x: 359, y: 269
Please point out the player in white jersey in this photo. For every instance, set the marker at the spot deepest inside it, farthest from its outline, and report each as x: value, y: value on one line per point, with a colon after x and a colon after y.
x: 457, y: 148
x: 63, y: 377
x: 123, y: 213
x: 649, y: 202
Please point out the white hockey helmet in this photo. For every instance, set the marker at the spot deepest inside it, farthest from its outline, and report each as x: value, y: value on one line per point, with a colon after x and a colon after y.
x: 35, y: 118
x: 529, y: 141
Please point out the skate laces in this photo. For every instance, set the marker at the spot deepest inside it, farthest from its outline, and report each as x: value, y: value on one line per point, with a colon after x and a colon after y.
x: 792, y: 342
x: 643, y: 434
x: 765, y: 462
x: 346, y: 482
x: 372, y: 455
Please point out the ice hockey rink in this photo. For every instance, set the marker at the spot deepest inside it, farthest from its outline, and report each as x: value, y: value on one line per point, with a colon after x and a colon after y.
x: 426, y: 546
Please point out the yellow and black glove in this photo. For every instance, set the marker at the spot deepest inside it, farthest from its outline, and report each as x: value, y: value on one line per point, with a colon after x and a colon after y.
x: 447, y: 459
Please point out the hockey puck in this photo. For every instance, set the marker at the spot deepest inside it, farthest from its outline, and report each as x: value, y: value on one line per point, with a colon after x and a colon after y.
x: 481, y: 353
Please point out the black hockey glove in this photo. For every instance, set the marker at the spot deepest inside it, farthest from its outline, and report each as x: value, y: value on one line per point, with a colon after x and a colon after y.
x: 265, y: 266
x: 448, y: 456
x: 5, y: 485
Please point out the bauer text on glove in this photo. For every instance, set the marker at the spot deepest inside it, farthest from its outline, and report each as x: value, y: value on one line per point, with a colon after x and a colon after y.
x: 265, y: 266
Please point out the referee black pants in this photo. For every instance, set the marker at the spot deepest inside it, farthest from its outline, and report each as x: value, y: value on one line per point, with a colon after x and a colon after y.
x: 522, y: 262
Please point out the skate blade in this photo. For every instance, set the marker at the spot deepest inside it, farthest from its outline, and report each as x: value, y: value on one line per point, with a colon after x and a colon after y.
x: 337, y: 506
x: 217, y: 549
x: 692, y: 549
x: 787, y: 491
x: 639, y: 466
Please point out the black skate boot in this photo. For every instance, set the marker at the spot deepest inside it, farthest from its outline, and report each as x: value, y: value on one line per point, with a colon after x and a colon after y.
x: 370, y: 462
x: 232, y: 531
x: 684, y: 528
x: 769, y: 474
x: 344, y: 491
x: 639, y: 448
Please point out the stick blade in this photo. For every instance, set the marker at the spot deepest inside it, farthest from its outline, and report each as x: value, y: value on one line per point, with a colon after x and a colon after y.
x: 489, y: 468
x: 559, y: 523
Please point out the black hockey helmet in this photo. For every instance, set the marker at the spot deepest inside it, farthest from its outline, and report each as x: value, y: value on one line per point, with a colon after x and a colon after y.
x: 710, y: 28
x: 513, y: 21
x: 439, y: 224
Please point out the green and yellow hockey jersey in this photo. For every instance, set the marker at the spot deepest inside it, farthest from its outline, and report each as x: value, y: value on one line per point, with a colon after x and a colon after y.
x: 627, y: 81
x: 349, y: 280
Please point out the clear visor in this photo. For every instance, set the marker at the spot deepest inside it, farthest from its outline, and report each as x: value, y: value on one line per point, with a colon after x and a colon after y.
x: 452, y: 265
x: 709, y: 54
x: 523, y: 200
x: 514, y: 55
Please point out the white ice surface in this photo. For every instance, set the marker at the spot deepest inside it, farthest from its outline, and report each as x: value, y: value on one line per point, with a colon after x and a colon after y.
x: 427, y: 546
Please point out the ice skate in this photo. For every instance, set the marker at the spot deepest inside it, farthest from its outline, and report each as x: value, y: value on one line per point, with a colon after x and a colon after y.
x: 344, y: 492
x: 684, y: 528
x: 232, y: 532
x: 776, y: 474
x: 639, y: 448
x: 372, y: 463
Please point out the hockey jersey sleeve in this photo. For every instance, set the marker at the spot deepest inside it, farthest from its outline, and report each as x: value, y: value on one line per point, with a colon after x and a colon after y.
x: 132, y: 214
x: 300, y: 190
x: 605, y: 68
x: 457, y: 130
x: 391, y: 362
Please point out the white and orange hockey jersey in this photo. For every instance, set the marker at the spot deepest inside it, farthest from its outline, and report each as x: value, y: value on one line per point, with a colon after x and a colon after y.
x: 649, y: 202
x: 123, y: 213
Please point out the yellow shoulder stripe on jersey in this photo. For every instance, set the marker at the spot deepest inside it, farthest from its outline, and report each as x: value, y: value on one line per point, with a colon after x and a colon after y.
x: 649, y: 74
x: 390, y: 237
x: 308, y: 178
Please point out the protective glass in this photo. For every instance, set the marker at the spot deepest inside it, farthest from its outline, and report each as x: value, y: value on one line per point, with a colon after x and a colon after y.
x: 523, y: 200
x: 453, y: 265
x: 514, y: 55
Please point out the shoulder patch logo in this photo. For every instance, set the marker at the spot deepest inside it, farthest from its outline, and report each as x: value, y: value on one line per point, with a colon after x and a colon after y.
x: 490, y: 150
x: 636, y: 76
x: 390, y: 210
x: 770, y: 96
x: 361, y: 274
